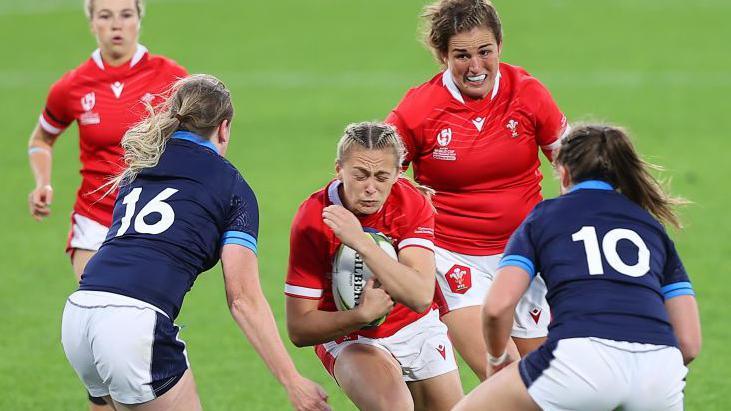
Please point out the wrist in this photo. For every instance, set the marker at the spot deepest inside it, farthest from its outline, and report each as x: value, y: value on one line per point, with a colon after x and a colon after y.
x: 497, y: 360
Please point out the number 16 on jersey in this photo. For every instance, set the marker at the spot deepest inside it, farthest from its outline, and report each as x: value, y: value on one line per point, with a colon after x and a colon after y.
x: 156, y: 205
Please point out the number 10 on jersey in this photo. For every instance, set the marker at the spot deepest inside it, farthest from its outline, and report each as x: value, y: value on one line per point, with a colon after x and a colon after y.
x: 588, y: 236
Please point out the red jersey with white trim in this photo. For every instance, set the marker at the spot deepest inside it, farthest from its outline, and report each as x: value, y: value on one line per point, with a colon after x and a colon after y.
x: 481, y: 156
x: 406, y: 217
x: 105, y: 101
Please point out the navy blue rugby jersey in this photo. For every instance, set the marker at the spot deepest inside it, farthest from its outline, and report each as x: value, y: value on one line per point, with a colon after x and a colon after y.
x: 608, y: 264
x: 170, y: 223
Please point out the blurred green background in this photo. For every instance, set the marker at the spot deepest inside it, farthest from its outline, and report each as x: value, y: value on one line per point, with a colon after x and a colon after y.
x: 299, y: 72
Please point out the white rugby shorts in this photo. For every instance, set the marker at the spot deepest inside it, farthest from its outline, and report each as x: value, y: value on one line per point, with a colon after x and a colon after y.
x: 421, y: 348
x: 593, y: 374
x: 85, y: 233
x: 464, y: 280
x: 121, y: 346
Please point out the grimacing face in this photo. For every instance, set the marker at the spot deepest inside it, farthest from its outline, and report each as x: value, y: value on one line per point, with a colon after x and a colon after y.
x: 116, y: 25
x: 473, y: 57
x: 367, y: 177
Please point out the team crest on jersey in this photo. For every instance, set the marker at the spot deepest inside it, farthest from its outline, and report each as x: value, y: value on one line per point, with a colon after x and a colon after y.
x: 513, y: 127
x: 444, y: 137
x: 459, y: 278
x: 87, y: 103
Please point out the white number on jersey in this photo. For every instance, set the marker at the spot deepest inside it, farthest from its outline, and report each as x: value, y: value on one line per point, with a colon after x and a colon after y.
x: 156, y: 205
x: 588, y: 236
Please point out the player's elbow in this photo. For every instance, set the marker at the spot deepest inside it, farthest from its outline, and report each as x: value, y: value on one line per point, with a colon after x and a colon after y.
x: 296, y: 336
x: 494, y: 309
x: 690, y: 347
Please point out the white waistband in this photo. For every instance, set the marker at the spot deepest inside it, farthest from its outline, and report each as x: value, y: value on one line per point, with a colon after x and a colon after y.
x: 101, y: 299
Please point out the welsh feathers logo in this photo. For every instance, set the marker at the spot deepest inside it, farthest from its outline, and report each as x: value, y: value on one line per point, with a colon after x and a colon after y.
x: 444, y: 137
x: 459, y: 278
x: 88, y: 101
x: 513, y: 127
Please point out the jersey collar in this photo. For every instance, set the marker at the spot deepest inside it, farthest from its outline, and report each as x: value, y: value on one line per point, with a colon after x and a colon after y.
x: 448, y: 82
x: 139, y: 53
x: 192, y: 137
x: 592, y: 185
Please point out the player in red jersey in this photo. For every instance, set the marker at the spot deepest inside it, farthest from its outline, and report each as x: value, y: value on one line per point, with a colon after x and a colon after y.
x: 407, y: 362
x: 473, y: 133
x: 103, y: 95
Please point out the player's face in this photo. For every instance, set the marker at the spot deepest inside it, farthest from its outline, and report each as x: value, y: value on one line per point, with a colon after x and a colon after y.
x: 116, y: 25
x: 473, y: 58
x: 367, y: 177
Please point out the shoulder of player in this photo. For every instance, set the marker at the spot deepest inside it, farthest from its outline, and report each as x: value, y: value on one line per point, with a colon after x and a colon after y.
x: 166, y: 63
x: 405, y: 194
x: 309, y: 212
x: 522, y: 83
x: 420, y: 100
x: 78, y: 74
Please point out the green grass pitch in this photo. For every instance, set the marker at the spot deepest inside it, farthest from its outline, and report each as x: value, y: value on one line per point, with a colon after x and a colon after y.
x: 301, y: 70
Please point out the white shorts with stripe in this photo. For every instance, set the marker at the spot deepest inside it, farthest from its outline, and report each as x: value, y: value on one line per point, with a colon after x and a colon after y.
x: 422, y: 349
x: 85, y: 234
x: 464, y: 280
x: 593, y: 374
x: 121, y: 346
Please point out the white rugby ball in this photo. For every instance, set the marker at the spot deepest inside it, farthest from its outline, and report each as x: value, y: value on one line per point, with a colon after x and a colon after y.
x: 350, y: 274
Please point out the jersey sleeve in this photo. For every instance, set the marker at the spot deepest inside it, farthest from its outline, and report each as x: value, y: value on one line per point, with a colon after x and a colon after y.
x: 675, y: 281
x: 407, y: 135
x: 56, y: 115
x: 521, y: 250
x: 308, y: 261
x: 242, y: 225
x: 551, y: 124
x: 419, y: 230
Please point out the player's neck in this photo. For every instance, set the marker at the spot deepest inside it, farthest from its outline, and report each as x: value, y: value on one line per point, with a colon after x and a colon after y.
x: 117, y: 59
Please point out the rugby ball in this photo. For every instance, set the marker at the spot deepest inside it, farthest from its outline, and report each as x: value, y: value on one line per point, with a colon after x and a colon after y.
x: 350, y: 274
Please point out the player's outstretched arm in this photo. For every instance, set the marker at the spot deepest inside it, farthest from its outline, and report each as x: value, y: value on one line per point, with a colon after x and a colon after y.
x: 410, y: 280
x: 307, y: 325
x: 40, y: 148
x: 497, y: 314
x: 252, y: 313
x: 684, y: 317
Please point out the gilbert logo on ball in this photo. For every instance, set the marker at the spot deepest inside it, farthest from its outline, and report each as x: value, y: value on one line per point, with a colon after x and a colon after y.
x: 350, y: 274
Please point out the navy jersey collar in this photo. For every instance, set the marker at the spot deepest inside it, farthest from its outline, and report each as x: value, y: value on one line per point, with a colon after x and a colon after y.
x: 192, y: 137
x: 591, y: 185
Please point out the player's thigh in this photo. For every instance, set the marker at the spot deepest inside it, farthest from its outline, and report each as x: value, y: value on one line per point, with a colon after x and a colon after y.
x: 79, y: 259
x: 182, y: 397
x: 503, y: 391
x: 465, y: 332
x: 527, y: 345
x: 437, y: 393
x: 372, y: 379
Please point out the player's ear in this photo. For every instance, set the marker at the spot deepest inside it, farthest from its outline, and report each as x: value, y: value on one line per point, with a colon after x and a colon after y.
x: 223, y: 133
x: 564, y: 177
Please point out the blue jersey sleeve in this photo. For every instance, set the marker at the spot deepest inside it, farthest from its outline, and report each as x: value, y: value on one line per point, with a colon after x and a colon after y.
x: 521, y: 251
x: 242, y: 225
x: 675, y: 281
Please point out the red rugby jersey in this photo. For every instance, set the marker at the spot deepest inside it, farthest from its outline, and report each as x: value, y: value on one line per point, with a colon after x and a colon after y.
x: 481, y: 156
x: 105, y: 101
x: 406, y: 217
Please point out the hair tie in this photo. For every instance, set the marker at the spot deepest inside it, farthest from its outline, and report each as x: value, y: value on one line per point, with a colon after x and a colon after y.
x: 179, y: 117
